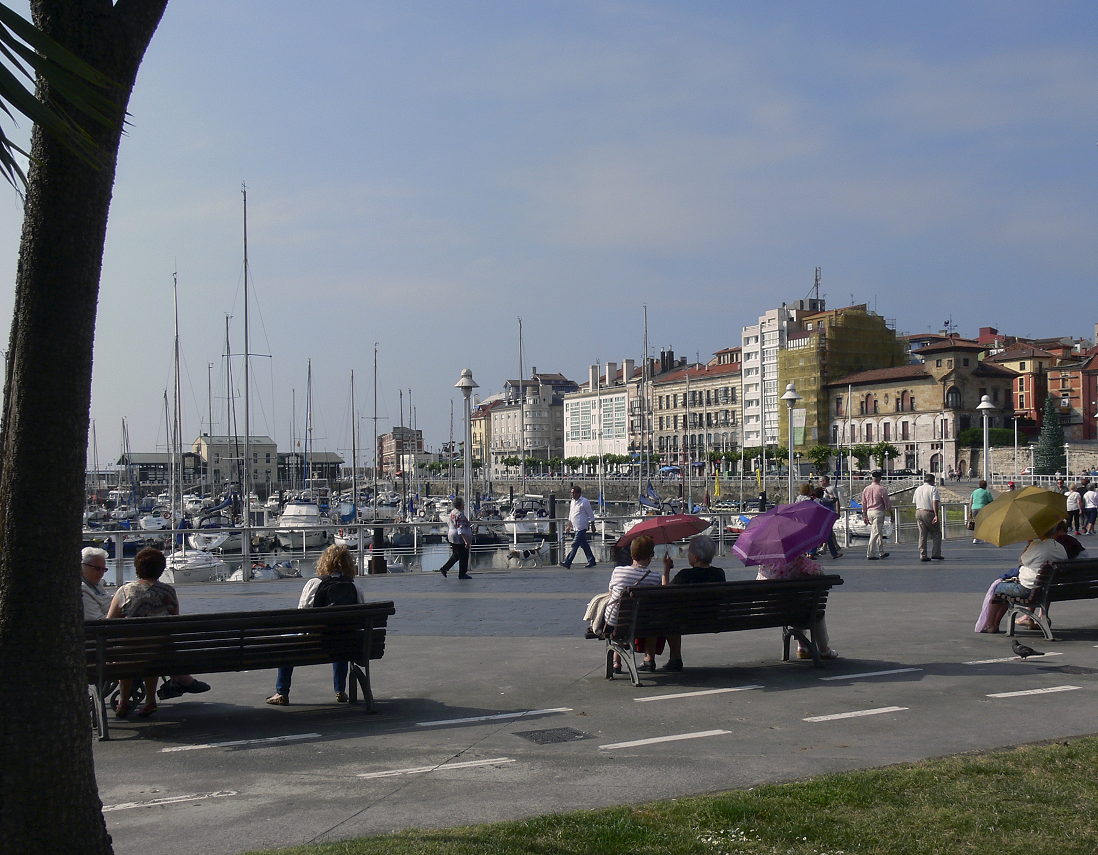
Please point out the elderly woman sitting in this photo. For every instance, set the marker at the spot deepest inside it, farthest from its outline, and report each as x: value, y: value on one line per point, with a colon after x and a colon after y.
x: 641, y: 550
x: 1020, y: 584
x: 802, y: 567
x: 147, y: 597
x: 700, y: 554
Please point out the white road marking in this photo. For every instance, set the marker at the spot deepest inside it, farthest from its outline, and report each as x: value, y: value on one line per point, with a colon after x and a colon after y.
x: 440, y: 768
x: 674, y: 738
x: 1047, y: 691
x: 496, y: 717
x: 854, y: 714
x: 270, y: 740
x: 170, y: 800
x: 1005, y: 659
x: 695, y: 694
x: 871, y: 674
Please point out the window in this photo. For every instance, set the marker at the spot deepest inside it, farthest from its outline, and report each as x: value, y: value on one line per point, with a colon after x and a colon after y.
x: 887, y: 432
x: 938, y: 363
x: 953, y: 398
x: 903, y: 431
x: 869, y: 433
x: 1021, y: 384
x: 995, y: 394
x: 949, y: 363
x: 1021, y: 366
x: 964, y: 362
x: 839, y: 405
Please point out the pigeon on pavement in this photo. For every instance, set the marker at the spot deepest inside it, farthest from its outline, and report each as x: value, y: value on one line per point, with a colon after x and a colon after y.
x: 1024, y: 651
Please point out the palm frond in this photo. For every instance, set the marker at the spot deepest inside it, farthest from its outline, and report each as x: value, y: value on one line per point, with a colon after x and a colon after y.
x: 29, y: 52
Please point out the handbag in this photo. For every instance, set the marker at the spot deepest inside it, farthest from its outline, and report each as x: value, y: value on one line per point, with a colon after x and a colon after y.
x: 971, y: 525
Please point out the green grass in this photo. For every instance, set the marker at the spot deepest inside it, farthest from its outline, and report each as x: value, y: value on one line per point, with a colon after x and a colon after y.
x: 1033, y: 799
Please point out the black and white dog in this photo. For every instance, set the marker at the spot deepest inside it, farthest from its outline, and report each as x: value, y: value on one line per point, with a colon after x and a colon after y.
x: 535, y: 555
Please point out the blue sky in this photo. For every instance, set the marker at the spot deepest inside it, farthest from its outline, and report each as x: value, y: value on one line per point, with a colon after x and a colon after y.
x: 422, y: 174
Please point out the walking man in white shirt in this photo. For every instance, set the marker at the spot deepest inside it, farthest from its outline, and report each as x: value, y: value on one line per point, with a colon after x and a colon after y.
x: 580, y: 518
x: 928, y: 505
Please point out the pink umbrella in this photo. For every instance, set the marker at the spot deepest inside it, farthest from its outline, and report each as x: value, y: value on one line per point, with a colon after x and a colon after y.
x: 784, y: 532
x: 666, y: 529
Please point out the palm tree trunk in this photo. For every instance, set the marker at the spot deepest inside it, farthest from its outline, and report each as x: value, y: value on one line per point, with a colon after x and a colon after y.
x: 48, y: 796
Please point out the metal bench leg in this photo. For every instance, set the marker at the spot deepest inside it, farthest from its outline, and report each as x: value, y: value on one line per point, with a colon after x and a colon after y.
x: 625, y: 653
x: 99, y: 711
x: 808, y: 641
x: 361, y: 677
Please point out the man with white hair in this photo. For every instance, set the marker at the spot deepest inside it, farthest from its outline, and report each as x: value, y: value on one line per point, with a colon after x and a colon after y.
x: 93, y: 566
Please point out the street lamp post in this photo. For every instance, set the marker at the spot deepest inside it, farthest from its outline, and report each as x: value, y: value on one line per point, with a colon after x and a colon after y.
x: 984, y: 408
x: 1016, y: 448
x: 791, y: 397
x: 467, y: 385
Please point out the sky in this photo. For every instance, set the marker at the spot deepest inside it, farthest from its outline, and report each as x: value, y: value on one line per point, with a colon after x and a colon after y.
x: 421, y: 175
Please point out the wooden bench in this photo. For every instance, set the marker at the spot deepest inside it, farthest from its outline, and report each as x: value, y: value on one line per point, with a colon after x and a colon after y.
x: 234, y: 641
x: 1056, y: 582
x: 795, y: 605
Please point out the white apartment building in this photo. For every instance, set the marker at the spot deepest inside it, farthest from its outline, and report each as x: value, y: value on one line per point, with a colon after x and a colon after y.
x: 597, y: 418
x: 761, y: 387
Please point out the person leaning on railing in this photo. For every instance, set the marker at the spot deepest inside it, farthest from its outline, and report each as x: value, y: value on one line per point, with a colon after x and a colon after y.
x: 981, y: 497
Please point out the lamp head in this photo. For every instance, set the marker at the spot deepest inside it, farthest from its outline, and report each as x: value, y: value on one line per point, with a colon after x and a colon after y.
x: 466, y: 384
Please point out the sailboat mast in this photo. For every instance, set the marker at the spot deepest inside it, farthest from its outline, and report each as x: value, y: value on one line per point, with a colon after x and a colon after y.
x: 176, y: 487
x: 308, y: 424
x: 246, y: 485
x: 354, y: 448
x: 644, y: 410
x: 522, y: 416
x: 375, y: 429
x: 400, y: 459
x: 598, y: 406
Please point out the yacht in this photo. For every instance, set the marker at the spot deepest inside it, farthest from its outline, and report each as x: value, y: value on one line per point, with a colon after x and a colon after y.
x: 299, y: 527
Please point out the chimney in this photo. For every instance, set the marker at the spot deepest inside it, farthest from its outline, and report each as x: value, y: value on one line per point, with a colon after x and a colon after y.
x: 593, y: 377
x: 670, y: 360
x: 627, y: 369
x: 663, y: 361
x: 611, y: 372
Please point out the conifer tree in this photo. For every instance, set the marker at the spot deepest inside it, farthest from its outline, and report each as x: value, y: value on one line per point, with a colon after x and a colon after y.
x: 1048, y: 457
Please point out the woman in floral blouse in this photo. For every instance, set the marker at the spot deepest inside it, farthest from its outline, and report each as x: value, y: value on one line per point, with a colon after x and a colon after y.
x: 802, y: 567
x: 147, y: 597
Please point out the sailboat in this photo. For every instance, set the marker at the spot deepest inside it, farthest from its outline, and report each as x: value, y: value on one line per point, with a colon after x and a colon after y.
x: 299, y: 525
x: 195, y: 565
x: 528, y: 517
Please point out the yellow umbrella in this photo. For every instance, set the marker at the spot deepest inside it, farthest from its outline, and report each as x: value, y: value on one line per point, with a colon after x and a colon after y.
x: 716, y: 485
x: 1016, y: 517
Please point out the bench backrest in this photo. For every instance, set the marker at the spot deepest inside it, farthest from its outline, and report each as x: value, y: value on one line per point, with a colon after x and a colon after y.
x: 235, y: 641
x: 722, y: 606
x: 1067, y: 580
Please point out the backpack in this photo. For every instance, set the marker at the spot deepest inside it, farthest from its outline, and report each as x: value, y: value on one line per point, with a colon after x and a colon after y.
x: 335, y: 591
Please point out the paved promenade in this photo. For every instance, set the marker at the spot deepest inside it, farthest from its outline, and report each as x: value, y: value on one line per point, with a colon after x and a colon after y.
x: 492, y: 705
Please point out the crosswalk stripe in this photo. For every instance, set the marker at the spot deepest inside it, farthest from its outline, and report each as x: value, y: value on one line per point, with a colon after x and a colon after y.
x: 854, y: 714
